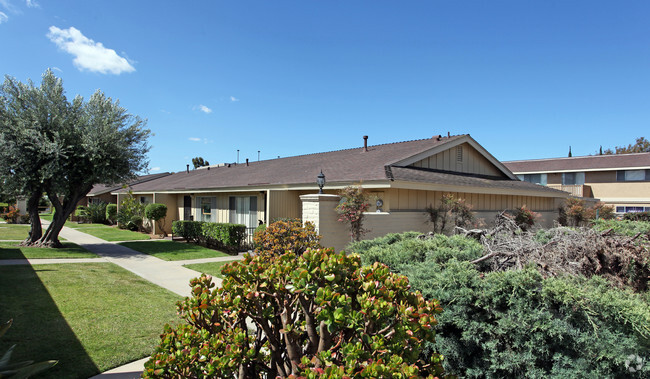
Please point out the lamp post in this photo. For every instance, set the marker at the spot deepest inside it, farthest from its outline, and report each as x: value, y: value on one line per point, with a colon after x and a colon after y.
x: 321, y: 182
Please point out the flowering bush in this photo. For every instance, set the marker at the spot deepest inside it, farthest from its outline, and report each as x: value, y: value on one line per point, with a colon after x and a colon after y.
x: 350, y: 210
x: 319, y: 314
x: 12, y: 215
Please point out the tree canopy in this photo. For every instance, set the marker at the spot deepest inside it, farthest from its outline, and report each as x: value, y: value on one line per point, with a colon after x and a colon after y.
x: 62, y: 148
x: 641, y: 145
x: 199, y: 162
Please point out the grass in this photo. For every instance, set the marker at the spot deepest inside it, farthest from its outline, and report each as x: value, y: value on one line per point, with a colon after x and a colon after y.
x: 210, y: 268
x: 108, y: 233
x: 14, y: 231
x: 46, y: 216
x: 90, y: 317
x: 173, y: 251
x: 11, y: 250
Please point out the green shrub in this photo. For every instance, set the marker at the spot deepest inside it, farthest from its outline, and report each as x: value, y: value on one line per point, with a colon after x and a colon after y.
x: 260, y: 228
x: 82, y: 214
x: 637, y: 216
x: 129, y: 207
x: 623, y: 227
x: 135, y: 223
x: 111, y: 213
x: 157, y: 213
x: 315, y: 315
x: 525, y: 218
x: 190, y: 230
x: 223, y: 234
x: 517, y: 323
x: 213, y: 234
x: 290, y: 235
x: 96, y: 213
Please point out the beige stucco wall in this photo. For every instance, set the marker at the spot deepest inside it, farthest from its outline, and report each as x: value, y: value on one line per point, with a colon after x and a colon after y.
x: 170, y: 200
x: 319, y: 210
x: 622, y: 193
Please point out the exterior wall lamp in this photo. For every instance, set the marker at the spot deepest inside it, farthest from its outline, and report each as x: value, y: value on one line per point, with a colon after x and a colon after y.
x: 321, y: 181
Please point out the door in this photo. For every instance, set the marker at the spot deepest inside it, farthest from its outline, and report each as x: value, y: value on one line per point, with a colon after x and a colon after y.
x: 187, y: 208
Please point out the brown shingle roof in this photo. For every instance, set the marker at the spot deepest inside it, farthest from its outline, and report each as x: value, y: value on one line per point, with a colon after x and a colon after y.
x: 350, y: 165
x: 342, y: 166
x: 99, y: 189
x: 591, y: 162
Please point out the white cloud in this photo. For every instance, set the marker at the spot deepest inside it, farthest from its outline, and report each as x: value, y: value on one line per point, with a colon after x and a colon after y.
x: 204, y: 140
x: 32, y: 4
x: 56, y: 69
x: 232, y: 98
x: 155, y: 169
x: 3, y: 17
x: 204, y: 109
x: 89, y: 55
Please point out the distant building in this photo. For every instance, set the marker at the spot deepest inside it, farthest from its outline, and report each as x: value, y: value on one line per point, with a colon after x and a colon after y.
x: 622, y: 180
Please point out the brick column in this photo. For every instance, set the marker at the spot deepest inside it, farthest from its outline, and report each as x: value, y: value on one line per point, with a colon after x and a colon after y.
x: 319, y: 209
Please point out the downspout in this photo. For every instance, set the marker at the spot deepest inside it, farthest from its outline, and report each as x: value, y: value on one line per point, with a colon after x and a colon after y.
x: 267, y: 206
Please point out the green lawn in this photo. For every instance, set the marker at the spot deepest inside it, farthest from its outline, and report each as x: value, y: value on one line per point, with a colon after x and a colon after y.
x: 11, y: 250
x: 90, y: 317
x: 14, y: 231
x: 210, y: 268
x: 173, y: 251
x: 107, y: 232
x: 46, y: 216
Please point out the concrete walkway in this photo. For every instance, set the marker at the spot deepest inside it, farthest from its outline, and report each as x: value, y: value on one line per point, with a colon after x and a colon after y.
x: 167, y: 274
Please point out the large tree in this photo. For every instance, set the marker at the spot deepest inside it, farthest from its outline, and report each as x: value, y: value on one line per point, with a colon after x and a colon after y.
x: 63, y: 148
x: 641, y: 145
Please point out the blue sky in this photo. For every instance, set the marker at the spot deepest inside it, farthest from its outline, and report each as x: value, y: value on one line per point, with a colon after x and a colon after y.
x: 525, y: 78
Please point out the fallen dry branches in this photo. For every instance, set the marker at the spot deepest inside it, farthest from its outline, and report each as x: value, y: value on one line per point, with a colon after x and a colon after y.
x: 624, y: 261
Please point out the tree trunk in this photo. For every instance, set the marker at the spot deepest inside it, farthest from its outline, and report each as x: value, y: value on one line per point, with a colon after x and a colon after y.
x: 36, y: 230
x: 61, y: 213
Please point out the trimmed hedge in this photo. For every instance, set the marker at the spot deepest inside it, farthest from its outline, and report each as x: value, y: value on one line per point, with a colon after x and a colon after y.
x: 210, y: 233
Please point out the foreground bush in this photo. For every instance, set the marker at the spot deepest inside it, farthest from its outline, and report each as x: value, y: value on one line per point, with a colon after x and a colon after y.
x: 517, y: 323
x: 316, y: 314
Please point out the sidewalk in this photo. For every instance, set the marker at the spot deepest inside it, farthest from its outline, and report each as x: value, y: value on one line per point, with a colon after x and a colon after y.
x: 167, y: 274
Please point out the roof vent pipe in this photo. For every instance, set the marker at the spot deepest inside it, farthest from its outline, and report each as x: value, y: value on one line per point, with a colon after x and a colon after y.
x: 365, y: 143
x: 246, y: 161
x: 188, y: 169
x: 448, y: 134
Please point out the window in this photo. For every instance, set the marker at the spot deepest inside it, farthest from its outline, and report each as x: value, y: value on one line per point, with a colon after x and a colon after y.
x: 145, y: 199
x: 533, y: 178
x: 628, y: 209
x: 206, y: 209
x: 632, y: 175
x: 573, y: 178
x: 243, y: 210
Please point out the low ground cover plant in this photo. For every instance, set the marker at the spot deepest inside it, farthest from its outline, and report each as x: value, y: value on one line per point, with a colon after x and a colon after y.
x: 519, y: 321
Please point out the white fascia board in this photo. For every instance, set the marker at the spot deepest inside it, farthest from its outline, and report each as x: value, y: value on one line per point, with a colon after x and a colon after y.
x: 448, y: 145
x: 581, y: 170
x: 629, y: 200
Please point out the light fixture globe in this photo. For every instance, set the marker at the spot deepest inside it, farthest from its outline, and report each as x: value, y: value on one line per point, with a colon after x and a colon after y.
x: 321, y: 182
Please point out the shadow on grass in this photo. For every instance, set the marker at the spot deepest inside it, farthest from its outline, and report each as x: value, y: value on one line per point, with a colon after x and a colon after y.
x: 39, y: 330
